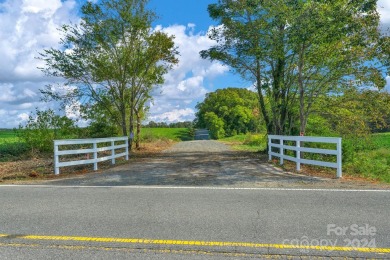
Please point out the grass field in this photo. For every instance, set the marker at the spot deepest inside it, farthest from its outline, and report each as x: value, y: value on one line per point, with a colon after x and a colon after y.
x: 381, y: 140
x: 8, y: 136
x: 11, y: 148
x: 176, y: 134
x: 247, y: 142
x: 373, y: 162
x: 364, y: 158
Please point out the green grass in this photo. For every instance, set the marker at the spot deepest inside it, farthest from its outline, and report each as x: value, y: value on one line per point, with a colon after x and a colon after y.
x: 11, y: 147
x: 247, y: 142
x: 373, y: 160
x: 368, y: 158
x: 8, y: 136
x: 381, y: 140
x: 176, y: 134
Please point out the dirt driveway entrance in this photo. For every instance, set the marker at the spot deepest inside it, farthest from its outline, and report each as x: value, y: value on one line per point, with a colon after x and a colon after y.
x: 204, y: 163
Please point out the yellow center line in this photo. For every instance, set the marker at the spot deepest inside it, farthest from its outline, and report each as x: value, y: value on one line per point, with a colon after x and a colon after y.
x: 196, y: 243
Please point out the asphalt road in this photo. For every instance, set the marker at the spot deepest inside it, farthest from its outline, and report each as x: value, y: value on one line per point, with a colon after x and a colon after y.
x: 63, y: 222
x: 202, y: 134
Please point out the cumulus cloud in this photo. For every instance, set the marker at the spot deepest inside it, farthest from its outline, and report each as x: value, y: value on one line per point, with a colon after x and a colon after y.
x: 27, y: 27
x: 384, y: 11
x: 387, y: 87
x: 175, y: 115
x: 187, y: 83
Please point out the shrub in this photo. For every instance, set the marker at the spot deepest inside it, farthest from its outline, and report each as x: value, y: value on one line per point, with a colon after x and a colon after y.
x: 43, y: 128
x: 12, y: 151
x: 373, y: 164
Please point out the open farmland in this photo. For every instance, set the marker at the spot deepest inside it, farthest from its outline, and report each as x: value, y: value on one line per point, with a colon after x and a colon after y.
x: 8, y: 136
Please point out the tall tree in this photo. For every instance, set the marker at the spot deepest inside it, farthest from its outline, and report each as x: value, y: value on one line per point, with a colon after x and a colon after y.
x: 297, y: 50
x: 110, y: 58
x: 252, y: 41
x: 336, y: 45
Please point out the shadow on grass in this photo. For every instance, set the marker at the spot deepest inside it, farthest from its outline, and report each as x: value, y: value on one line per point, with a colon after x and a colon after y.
x: 185, y: 135
x: 13, y: 151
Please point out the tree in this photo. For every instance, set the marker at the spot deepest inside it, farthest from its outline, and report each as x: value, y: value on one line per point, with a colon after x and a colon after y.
x: 296, y: 51
x: 43, y: 127
x: 112, y: 58
x: 336, y: 45
x: 215, y: 125
x: 251, y: 40
x: 358, y: 113
x: 235, y: 110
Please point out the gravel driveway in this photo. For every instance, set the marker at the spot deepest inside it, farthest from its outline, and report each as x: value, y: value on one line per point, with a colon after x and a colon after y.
x: 202, y: 163
x: 192, y: 163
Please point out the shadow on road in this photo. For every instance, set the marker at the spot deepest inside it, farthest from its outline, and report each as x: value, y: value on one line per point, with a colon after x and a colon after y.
x: 226, y: 168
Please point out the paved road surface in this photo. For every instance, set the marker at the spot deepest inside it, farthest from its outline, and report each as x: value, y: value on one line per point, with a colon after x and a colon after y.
x: 43, y: 221
x: 202, y: 134
x: 100, y: 216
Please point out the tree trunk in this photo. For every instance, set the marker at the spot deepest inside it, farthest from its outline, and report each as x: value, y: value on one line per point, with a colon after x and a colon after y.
x: 261, y: 99
x: 137, y: 143
x: 131, y: 116
x: 123, y: 120
x: 302, y: 117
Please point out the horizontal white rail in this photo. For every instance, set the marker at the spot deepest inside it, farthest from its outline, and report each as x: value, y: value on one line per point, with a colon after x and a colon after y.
x: 94, y: 150
x: 298, y: 149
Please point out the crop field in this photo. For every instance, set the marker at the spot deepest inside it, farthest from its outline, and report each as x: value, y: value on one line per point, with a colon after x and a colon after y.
x: 176, y: 134
x: 8, y: 136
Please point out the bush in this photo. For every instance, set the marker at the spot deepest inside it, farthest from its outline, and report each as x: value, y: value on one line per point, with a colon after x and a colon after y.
x: 215, y: 125
x: 101, y: 130
x: 255, y: 140
x: 43, y: 128
x: 12, y: 151
x: 373, y: 164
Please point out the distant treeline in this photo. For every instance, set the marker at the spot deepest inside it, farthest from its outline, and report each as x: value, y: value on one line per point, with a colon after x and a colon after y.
x: 152, y: 124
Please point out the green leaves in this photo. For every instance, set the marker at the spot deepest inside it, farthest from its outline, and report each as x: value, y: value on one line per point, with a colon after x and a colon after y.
x: 296, y: 51
x: 43, y: 127
x: 112, y: 59
x: 232, y: 110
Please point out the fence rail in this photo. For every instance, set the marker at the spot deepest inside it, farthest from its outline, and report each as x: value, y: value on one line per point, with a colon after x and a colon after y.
x: 298, y: 149
x: 94, y: 150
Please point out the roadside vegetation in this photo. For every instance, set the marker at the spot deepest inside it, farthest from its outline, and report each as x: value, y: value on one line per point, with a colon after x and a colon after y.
x: 20, y: 160
x: 247, y: 142
x: 367, y: 157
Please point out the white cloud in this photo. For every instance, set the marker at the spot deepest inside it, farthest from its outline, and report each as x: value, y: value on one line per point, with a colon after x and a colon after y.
x: 387, y: 87
x: 175, y: 115
x: 187, y: 83
x: 27, y: 27
x: 384, y: 11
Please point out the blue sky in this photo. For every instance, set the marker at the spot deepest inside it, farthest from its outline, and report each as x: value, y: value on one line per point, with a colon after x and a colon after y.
x: 29, y: 26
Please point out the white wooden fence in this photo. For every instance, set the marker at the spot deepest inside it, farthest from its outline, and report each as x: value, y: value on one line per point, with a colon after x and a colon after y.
x: 58, y: 152
x: 297, y: 148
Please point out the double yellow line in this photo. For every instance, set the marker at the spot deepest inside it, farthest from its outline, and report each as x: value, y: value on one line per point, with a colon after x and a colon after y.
x: 195, y: 243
